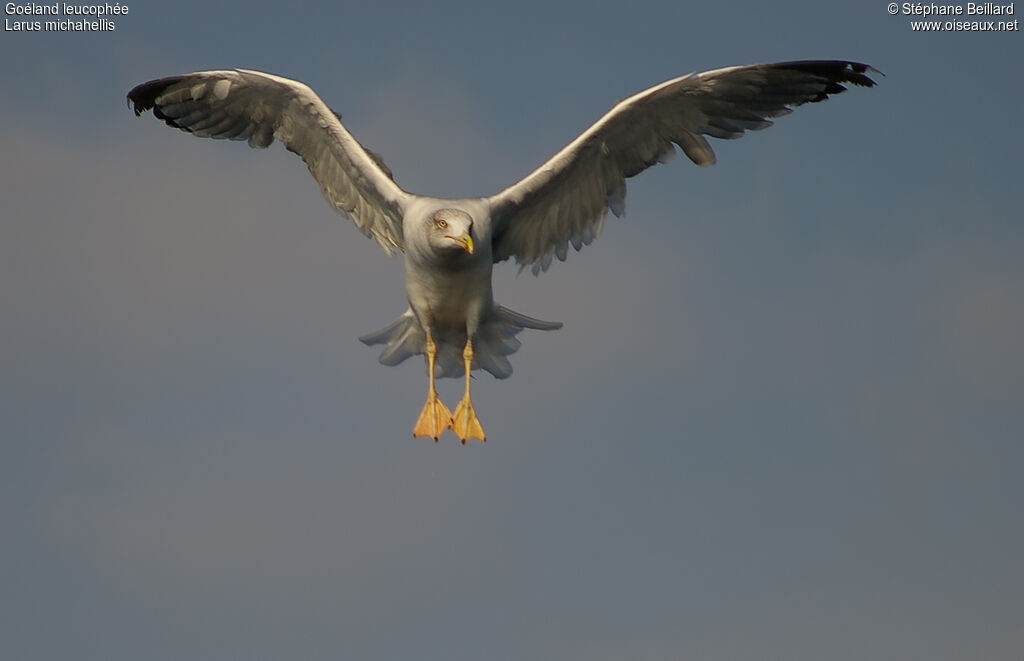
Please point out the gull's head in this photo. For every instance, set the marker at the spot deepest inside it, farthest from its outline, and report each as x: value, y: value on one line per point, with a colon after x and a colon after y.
x: 450, y: 230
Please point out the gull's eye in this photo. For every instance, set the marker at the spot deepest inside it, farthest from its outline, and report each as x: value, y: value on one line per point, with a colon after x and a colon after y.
x: 442, y: 224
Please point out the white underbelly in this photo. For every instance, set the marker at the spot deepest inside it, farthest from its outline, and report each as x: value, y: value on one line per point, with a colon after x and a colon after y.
x: 451, y: 300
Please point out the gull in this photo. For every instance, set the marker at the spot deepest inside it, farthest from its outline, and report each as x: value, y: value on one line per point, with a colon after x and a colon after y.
x: 450, y: 246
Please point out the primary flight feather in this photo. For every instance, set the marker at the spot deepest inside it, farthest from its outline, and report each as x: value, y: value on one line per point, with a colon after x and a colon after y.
x: 451, y: 245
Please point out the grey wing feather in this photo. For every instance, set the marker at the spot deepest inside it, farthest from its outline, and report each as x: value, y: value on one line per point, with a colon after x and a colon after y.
x: 257, y: 107
x: 565, y: 200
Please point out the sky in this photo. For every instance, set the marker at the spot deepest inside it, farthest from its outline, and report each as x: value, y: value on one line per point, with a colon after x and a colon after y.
x: 782, y: 420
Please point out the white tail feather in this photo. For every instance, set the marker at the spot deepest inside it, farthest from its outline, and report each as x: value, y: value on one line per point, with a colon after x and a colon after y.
x: 494, y: 340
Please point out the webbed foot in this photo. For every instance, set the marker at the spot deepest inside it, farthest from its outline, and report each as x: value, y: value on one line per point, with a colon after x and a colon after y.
x: 434, y: 418
x: 465, y: 423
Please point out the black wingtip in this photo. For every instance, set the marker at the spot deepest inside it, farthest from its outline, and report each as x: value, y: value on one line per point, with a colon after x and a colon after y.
x: 865, y: 69
x: 858, y: 74
x: 836, y: 72
x: 143, y: 97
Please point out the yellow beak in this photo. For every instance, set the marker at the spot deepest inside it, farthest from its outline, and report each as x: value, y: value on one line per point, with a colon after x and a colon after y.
x: 466, y: 241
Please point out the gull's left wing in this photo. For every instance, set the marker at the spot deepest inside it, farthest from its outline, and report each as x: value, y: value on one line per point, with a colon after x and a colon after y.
x: 258, y: 107
x: 565, y: 200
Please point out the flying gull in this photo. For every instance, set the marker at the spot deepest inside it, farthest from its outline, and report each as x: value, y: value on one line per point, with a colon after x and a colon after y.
x: 451, y: 245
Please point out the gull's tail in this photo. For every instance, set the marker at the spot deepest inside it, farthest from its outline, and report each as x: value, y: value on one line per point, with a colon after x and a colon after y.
x: 494, y: 341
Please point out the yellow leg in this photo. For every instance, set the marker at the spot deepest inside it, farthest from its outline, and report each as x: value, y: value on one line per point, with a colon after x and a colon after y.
x: 465, y: 422
x: 435, y: 417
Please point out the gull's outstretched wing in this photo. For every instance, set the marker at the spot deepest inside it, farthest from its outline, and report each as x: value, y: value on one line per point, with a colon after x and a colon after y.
x: 254, y: 106
x: 565, y: 200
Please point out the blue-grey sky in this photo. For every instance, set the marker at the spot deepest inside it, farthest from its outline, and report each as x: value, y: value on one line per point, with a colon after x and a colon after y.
x: 782, y: 421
